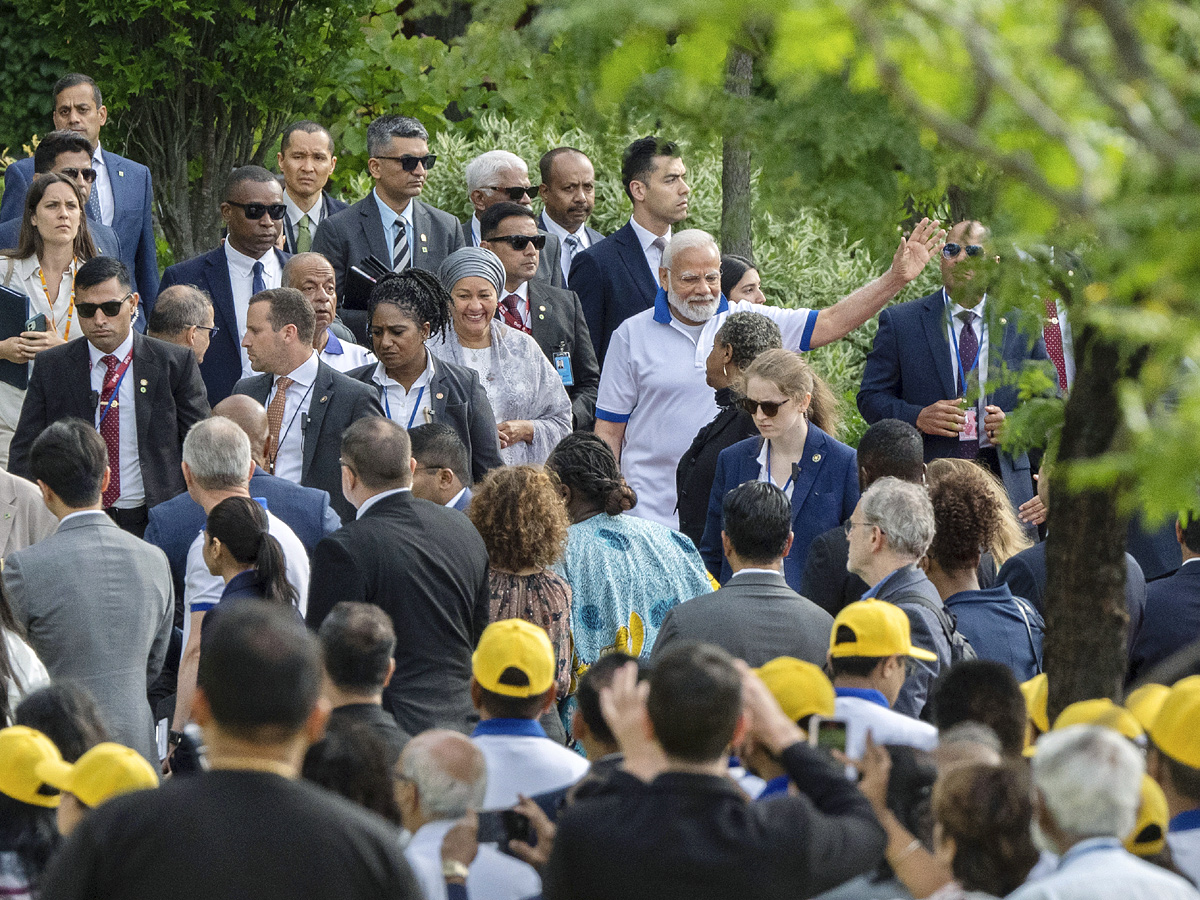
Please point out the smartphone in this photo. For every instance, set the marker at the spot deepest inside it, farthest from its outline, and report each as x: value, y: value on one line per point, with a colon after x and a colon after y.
x: 827, y: 734
x: 37, y: 323
x: 517, y: 826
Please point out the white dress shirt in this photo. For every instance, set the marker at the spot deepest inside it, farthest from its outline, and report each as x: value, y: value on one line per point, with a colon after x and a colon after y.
x: 409, y: 408
x: 562, y: 234
x: 781, y: 479
x: 241, y: 280
x: 295, y: 213
x: 522, y: 293
x: 102, y: 188
x: 492, y: 875
x: 1101, y: 869
x: 289, y: 460
x: 133, y: 491
x: 647, y: 239
x: 954, y: 329
x: 523, y: 764
x: 476, y: 230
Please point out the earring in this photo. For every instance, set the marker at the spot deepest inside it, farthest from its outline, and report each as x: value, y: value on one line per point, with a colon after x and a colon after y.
x: 723, y: 372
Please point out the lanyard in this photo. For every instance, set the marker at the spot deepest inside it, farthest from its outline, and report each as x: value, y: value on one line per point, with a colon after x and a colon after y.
x: 962, y: 373
x: 50, y: 304
x: 116, y: 388
x: 791, y: 478
x: 387, y: 407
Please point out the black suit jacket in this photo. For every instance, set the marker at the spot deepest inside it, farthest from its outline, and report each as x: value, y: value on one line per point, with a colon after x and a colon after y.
x: 329, y: 206
x: 459, y: 401
x: 168, y: 400
x: 698, y: 467
x: 756, y: 617
x: 826, y: 580
x: 699, y: 837
x: 557, y: 321
x: 427, y: 568
x: 336, y: 401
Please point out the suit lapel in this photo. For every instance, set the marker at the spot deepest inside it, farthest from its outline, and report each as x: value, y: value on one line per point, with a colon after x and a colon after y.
x: 79, y: 389
x: 420, y: 240
x: 933, y: 317
x: 630, y: 251
x: 321, y: 396
x: 222, y: 294
x: 372, y: 227
x: 8, y: 510
x: 542, y: 316
x: 147, y: 372
x: 259, y: 388
x: 809, y: 468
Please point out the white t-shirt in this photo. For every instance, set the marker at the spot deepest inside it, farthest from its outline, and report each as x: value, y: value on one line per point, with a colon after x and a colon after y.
x: 886, y: 726
x: 492, y: 875
x: 520, y: 764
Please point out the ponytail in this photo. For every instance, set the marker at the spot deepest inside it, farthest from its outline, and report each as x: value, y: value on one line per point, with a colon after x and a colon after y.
x: 243, y: 528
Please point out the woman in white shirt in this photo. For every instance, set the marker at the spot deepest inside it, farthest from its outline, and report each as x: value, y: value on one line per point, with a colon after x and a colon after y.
x: 20, y: 670
x: 54, y: 243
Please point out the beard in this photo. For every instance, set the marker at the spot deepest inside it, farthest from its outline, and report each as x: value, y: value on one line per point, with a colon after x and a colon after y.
x: 696, y: 312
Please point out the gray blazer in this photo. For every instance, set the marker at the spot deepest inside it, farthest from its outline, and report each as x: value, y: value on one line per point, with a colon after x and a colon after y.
x: 756, y: 617
x: 97, y: 605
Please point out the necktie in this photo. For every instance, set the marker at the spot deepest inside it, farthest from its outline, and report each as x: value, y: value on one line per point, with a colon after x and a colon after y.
x: 304, y: 234
x: 275, y: 415
x: 400, y: 251
x: 110, y: 430
x: 1054, y: 343
x: 571, y: 242
x: 659, y: 244
x: 512, y: 313
x: 968, y: 353
x: 258, y: 285
x: 93, y: 204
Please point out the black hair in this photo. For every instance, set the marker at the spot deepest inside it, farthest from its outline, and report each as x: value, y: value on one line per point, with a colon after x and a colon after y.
x: 54, y: 145
x: 757, y: 518
x: 288, y: 307
x: 416, y: 293
x: 1189, y: 524
x: 749, y: 334
x: 70, y: 457
x: 74, y: 79
x: 381, y: 131
x: 984, y: 691
x: 598, y: 676
x: 546, y: 163
x: 99, y: 270
x: 502, y: 706
x: 490, y: 218
x: 637, y: 163
x: 260, y: 671
x: 353, y: 762
x: 695, y: 701
x: 357, y: 643
x: 307, y: 127
x: 585, y: 463
x: 66, y: 713
x: 733, y: 267
x: 31, y: 833
x: 892, y: 448
x: 242, y: 527
x: 378, y: 451
x: 853, y: 666
x: 178, y: 308
x: 439, y: 446
x: 244, y: 175
x: 1184, y: 778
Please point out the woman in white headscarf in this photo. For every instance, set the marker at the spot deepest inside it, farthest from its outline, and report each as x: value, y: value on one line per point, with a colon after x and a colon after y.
x: 531, y: 406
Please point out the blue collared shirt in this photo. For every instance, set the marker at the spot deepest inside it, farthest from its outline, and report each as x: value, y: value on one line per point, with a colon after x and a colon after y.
x: 1188, y: 820
x: 775, y: 787
x: 510, y: 727
x: 870, y: 694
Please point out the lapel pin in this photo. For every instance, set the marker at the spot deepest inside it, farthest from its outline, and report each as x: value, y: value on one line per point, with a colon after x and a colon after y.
x: 145, y: 382
x: 816, y: 457
x: 1003, y: 321
x: 8, y: 515
x: 423, y: 238
x: 542, y: 308
x: 541, y: 317
x: 326, y: 397
x: 143, y: 389
x: 440, y: 395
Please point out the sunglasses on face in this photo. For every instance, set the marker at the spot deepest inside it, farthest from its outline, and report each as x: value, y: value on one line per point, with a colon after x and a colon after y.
x: 952, y: 250
x: 769, y: 407
x: 515, y: 193
x: 520, y: 241
x: 110, y: 308
x: 88, y: 175
x: 410, y: 163
x: 256, y: 211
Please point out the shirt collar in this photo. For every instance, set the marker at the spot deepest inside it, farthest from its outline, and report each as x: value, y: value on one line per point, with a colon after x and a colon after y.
x: 751, y: 570
x: 295, y: 213
x: 510, y: 727
x: 956, y: 308
x: 431, y: 835
x: 98, y: 155
x: 371, y: 501
x: 1188, y: 820
x: 305, y: 373
x: 1090, y: 845
x: 646, y: 238
x: 662, y: 307
x: 332, y: 345
x: 521, y: 291
x: 389, y: 217
x: 96, y: 354
x: 453, y: 500
x: 380, y: 375
x: 559, y: 232
x: 869, y: 694
x: 244, y: 265
x: 476, y: 230
x: 776, y: 786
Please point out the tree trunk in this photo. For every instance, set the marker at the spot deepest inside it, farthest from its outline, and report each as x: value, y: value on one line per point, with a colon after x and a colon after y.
x: 1086, y: 618
x: 736, y: 235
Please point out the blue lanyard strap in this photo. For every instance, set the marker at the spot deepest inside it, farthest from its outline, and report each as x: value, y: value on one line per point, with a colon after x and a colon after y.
x: 962, y: 373
x: 791, y: 478
x: 116, y: 388
x: 387, y: 406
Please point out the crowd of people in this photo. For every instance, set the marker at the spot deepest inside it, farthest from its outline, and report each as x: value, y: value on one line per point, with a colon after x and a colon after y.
x: 377, y: 554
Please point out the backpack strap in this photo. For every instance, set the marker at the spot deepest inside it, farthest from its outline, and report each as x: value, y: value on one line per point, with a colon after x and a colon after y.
x: 1037, y: 660
x: 948, y: 627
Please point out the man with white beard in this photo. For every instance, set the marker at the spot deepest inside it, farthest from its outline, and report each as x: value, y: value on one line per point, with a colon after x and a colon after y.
x: 653, y: 396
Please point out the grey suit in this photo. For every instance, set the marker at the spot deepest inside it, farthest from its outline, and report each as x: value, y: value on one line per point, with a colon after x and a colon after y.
x: 336, y: 402
x: 350, y: 236
x: 548, y: 270
x: 755, y: 617
x: 97, y: 605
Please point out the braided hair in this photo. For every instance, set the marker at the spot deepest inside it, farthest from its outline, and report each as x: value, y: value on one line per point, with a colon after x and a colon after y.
x: 585, y: 463
x: 241, y: 525
x: 418, y: 294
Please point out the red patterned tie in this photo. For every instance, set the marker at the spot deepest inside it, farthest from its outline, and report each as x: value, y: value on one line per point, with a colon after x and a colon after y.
x: 1054, y: 345
x: 511, y: 313
x: 110, y: 429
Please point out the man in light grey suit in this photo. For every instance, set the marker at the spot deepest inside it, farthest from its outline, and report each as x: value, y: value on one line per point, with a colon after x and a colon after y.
x: 390, y: 223
x: 24, y: 519
x: 95, y: 601
x: 755, y: 616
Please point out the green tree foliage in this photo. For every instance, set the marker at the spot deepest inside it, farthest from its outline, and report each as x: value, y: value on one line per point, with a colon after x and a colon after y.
x: 27, y: 72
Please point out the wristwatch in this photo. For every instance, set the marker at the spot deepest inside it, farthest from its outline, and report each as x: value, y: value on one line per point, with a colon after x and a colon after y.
x: 174, y: 738
x: 453, y: 868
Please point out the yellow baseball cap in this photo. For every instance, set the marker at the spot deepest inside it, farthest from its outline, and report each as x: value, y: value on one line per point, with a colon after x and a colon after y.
x: 1037, y: 691
x: 106, y: 771
x: 21, y: 750
x: 878, y: 628
x: 1149, y: 835
x: 1101, y: 711
x: 1178, y: 722
x: 801, y: 688
x: 1145, y: 703
x: 518, y: 645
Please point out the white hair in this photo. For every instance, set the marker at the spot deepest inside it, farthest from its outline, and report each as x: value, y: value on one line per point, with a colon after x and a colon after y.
x: 688, y: 239
x: 483, y: 170
x: 903, y: 513
x: 442, y: 796
x: 1090, y: 779
x: 217, y: 452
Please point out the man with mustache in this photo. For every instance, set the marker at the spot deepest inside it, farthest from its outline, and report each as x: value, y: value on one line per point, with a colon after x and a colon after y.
x: 568, y: 193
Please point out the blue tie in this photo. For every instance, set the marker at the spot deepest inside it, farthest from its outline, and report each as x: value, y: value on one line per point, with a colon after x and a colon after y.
x: 258, y: 285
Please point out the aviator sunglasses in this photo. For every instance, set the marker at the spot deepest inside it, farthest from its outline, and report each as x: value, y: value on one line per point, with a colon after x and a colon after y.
x: 952, y: 250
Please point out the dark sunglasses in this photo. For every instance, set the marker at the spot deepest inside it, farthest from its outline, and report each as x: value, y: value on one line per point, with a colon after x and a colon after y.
x: 110, y: 308
x: 520, y: 241
x: 410, y: 163
x: 515, y: 193
x: 89, y: 175
x: 256, y: 211
x: 769, y: 408
x: 952, y: 250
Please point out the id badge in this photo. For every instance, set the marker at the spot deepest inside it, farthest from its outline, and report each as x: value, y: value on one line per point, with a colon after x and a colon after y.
x: 562, y: 362
x: 970, y: 430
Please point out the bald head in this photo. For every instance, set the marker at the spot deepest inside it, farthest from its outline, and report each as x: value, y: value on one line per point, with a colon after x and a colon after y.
x: 250, y: 416
x: 448, y: 771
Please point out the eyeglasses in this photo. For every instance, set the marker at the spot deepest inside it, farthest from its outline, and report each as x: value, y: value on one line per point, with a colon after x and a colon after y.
x: 850, y: 523
x: 88, y: 175
x: 410, y: 163
x: 689, y: 279
x: 211, y: 329
x: 256, y: 211
x: 515, y: 193
x: 110, y: 308
x: 952, y: 250
x: 770, y: 408
x: 520, y: 241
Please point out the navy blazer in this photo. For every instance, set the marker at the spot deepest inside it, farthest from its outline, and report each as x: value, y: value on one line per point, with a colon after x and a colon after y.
x: 910, y: 367
x: 824, y: 495
x: 594, y: 237
x: 613, y: 283
x: 329, y: 206
x: 133, y: 202
x: 222, y: 366
x: 1172, y: 619
x: 106, y: 240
